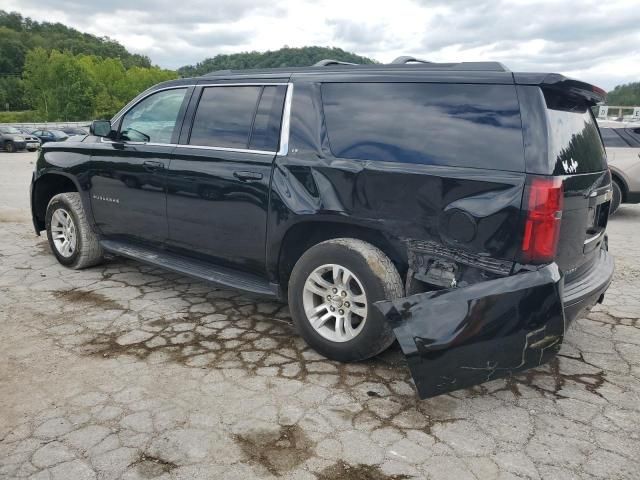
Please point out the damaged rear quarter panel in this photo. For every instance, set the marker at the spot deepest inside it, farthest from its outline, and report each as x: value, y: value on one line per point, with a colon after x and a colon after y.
x: 462, y: 337
x: 404, y: 202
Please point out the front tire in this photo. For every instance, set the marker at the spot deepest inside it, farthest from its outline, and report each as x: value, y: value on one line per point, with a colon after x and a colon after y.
x: 332, y: 289
x: 70, y: 236
x: 616, y: 198
x: 10, y: 147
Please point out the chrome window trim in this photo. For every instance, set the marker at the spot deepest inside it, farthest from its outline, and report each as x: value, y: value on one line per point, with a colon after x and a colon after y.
x: 227, y: 149
x: 285, y: 124
x: 246, y: 84
x: 199, y: 147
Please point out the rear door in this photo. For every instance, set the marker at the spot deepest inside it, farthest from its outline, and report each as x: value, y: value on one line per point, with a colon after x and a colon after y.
x: 218, y: 180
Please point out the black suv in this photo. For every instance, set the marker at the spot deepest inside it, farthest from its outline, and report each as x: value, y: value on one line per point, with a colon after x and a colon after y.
x: 460, y: 208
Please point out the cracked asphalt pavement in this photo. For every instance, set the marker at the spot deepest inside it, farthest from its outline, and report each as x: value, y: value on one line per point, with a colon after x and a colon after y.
x: 127, y: 371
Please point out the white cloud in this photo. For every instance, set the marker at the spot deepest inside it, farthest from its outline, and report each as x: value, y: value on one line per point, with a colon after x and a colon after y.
x: 594, y: 40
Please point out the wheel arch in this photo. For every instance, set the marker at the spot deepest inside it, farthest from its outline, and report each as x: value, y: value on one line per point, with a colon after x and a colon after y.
x: 44, y: 189
x: 617, y: 177
x: 305, y: 234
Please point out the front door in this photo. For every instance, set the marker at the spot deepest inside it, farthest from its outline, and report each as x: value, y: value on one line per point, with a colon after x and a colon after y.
x: 218, y: 180
x: 128, y: 174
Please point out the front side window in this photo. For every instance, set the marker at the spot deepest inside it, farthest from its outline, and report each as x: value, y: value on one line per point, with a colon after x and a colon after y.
x: 154, y: 119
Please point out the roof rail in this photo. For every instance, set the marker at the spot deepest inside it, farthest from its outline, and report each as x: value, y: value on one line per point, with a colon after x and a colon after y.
x: 408, y: 59
x: 218, y: 72
x: 327, y: 61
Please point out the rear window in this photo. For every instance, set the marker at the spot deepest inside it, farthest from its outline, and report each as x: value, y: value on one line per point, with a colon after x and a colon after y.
x: 440, y: 124
x: 574, y: 141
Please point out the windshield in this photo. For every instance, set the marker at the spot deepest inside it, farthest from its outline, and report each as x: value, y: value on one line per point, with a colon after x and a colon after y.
x: 10, y: 130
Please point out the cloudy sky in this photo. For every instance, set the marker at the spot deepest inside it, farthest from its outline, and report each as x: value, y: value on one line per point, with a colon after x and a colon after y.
x: 597, y: 41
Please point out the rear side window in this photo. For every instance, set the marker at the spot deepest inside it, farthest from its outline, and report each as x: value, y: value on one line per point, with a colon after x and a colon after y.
x: 574, y: 140
x: 239, y: 117
x: 440, y: 124
x: 266, y: 127
x: 224, y: 116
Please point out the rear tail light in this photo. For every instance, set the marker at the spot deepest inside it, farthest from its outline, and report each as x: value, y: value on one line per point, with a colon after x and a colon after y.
x: 543, y: 200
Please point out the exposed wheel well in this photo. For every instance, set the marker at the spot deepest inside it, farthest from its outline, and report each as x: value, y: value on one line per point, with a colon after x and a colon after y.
x: 305, y: 235
x: 623, y: 186
x: 44, y: 190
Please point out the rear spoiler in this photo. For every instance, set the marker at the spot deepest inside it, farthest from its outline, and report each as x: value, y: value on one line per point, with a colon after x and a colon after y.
x: 555, y: 82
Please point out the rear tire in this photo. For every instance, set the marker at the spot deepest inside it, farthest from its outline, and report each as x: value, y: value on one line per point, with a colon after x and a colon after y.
x: 354, y: 330
x: 10, y: 147
x: 616, y: 198
x: 66, y: 221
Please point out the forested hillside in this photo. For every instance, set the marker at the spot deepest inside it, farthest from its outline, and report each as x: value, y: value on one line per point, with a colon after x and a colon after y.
x: 20, y: 34
x: 62, y: 74
x: 284, y: 57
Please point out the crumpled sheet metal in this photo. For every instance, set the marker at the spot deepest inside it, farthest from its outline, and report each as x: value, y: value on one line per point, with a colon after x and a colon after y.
x: 461, y: 337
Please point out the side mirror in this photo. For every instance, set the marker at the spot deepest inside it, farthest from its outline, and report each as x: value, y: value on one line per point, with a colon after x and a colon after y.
x: 100, y: 128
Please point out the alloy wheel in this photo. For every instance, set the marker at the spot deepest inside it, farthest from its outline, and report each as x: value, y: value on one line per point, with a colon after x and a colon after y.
x: 63, y: 232
x: 335, y: 302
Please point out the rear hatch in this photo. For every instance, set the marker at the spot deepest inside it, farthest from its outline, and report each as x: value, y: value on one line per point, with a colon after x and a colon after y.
x: 577, y: 163
x: 580, y: 159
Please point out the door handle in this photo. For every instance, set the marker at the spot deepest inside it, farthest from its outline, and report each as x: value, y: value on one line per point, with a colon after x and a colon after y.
x: 152, y: 165
x: 247, y: 176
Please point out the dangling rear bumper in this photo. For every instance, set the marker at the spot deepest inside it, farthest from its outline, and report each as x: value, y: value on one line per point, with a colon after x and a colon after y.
x: 461, y: 337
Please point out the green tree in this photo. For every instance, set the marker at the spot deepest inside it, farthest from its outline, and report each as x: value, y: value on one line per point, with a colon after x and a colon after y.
x: 12, y: 52
x: 19, y: 34
x: 12, y: 93
x: 625, y: 95
x: 106, y: 74
x: 62, y: 86
x: 138, y: 79
x: 59, y: 85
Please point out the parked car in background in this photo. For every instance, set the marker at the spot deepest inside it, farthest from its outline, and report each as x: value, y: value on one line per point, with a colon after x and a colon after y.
x: 46, y: 136
x: 74, y: 131
x: 32, y: 141
x: 459, y: 207
x: 12, y: 139
x: 622, y: 141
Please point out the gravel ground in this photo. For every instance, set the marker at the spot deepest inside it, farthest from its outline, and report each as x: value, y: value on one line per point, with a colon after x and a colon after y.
x: 126, y: 371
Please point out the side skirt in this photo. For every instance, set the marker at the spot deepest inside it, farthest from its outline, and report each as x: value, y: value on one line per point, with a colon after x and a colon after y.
x: 221, y: 276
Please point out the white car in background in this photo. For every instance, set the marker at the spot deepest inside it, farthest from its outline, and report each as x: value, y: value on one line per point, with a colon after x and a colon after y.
x: 622, y: 141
